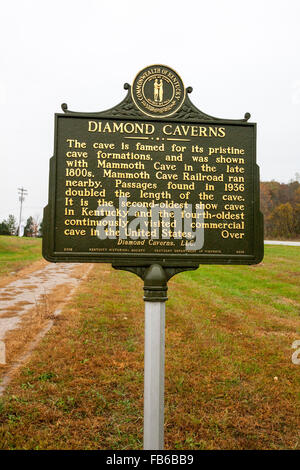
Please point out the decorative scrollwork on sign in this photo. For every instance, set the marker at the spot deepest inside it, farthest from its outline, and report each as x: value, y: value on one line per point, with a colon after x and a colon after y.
x: 189, y: 112
x: 128, y: 109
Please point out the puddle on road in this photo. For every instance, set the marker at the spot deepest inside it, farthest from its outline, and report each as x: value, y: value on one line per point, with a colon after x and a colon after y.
x: 18, y: 297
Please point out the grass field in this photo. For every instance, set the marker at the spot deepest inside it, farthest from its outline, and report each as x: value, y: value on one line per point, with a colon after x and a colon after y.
x: 18, y: 252
x: 230, y: 381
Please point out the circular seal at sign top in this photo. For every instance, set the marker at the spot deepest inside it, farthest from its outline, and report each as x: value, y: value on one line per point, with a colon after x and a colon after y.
x: 158, y: 91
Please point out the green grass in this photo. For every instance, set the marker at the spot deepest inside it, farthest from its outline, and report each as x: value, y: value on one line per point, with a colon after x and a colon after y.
x: 18, y: 252
x: 273, y: 283
x: 229, y: 379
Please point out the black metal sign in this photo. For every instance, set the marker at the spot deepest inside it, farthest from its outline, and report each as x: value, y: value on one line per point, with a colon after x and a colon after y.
x: 153, y: 180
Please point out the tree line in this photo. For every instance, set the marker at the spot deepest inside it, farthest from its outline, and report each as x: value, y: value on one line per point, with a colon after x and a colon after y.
x: 279, y: 203
x: 32, y: 228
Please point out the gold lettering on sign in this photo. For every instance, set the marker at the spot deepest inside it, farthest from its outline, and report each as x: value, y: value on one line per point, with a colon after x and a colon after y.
x: 149, y: 163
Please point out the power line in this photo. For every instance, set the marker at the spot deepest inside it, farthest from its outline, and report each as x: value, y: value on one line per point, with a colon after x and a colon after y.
x: 22, y: 193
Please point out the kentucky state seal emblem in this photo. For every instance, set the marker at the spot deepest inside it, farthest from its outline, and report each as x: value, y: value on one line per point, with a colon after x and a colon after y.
x: 158, y: 91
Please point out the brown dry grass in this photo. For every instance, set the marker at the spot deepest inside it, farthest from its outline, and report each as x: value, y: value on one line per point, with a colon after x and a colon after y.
x: 230, y: 382
x: 18, y: 341
x: 22, y: 272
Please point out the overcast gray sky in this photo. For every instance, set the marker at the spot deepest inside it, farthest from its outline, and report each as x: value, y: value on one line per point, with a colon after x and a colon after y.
x: 237, y: 55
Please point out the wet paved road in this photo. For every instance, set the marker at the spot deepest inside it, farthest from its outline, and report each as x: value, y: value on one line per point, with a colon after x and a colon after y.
x: 276, y: 242
x: 20, y: 296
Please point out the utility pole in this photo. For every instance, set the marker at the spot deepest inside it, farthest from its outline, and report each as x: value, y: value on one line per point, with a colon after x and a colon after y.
x: 22, y: 193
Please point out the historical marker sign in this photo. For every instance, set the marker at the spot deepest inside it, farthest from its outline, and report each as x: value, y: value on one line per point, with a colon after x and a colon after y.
x: 153, y: 180
x: 153, y: 186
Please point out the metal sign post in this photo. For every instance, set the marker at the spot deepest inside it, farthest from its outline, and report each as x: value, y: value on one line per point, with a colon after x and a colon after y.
x: 155, y: 287
x: 154, y: 375
x: 155, y: 279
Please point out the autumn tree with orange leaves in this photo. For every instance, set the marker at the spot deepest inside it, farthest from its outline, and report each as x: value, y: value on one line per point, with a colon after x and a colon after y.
x: 280, y: 204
